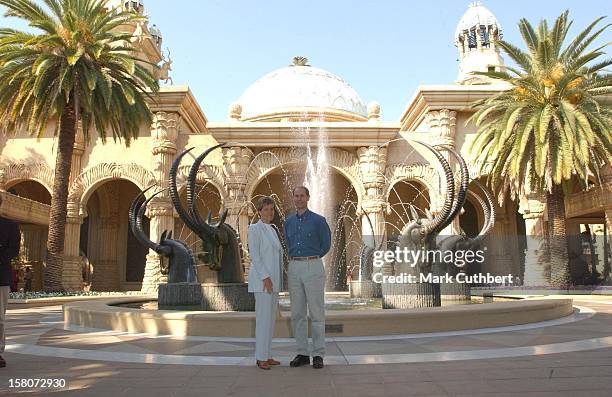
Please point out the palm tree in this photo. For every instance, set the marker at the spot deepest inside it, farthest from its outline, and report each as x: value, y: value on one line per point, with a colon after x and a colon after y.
x: 549, y: 127
x: 78, y: 66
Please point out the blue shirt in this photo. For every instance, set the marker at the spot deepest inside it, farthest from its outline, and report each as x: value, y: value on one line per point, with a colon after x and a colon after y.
x: 307, y: 234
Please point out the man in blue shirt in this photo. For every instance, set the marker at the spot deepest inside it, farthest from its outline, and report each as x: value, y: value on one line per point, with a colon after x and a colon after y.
x: 308, y: 240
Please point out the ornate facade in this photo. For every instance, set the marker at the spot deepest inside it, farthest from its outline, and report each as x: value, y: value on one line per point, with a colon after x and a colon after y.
x: 271, y: 132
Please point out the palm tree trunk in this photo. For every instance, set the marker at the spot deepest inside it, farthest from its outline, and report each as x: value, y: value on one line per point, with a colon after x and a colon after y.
x: 557, y: 237
x: 59, y: 200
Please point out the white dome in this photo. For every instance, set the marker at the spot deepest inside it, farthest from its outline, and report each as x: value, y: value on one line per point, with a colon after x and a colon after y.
x: 476, y: 15
x: 299, y: 87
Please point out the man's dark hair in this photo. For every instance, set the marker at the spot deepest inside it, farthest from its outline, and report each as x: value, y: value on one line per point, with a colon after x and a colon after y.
x: 301, y: 187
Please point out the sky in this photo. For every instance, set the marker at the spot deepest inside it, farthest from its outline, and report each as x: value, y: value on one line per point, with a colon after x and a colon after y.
x: 384, y: 49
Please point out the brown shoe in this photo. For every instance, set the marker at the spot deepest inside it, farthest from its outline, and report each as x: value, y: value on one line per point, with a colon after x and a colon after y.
x: 263, y: 364
x: 2, y: 362
x: 272, y: 361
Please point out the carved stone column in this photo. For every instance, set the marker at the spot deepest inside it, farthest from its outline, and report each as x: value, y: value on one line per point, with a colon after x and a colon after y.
x: 537, y: 270
x: 236, y: 162
x: 164, y: 131
x: 442, y: 125
x: 372, y: 164
x: 72, y: 278
x: 161, y: 215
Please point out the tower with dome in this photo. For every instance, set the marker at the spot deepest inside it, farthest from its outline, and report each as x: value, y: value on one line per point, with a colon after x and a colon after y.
x: 475, y: 37
x: 272, y: 131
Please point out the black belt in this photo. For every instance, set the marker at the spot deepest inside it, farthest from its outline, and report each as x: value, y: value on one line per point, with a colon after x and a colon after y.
x: 304, y: 258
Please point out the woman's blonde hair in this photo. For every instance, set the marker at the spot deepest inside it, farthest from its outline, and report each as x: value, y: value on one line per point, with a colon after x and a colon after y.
x: 263, y: 201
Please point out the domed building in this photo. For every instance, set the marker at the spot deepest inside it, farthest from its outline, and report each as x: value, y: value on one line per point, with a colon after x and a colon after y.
x: 300, y: 92
x: 297, y: 124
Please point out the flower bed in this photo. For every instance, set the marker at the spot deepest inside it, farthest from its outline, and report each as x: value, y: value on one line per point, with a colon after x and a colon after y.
x: 44, y: 295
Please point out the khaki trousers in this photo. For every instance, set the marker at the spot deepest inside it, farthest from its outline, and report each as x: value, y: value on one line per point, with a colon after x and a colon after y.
x: 307, y: 291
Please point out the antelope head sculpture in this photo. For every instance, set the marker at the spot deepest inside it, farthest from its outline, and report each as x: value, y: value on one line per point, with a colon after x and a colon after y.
x: 181, y: 264
x: 220, y: 243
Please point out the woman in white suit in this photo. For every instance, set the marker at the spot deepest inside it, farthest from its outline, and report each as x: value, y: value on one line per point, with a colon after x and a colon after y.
x: 266, y: 254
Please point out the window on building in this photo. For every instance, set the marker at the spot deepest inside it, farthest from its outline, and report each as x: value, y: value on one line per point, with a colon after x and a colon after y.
x: 472, y: 38
x: 484, y: 36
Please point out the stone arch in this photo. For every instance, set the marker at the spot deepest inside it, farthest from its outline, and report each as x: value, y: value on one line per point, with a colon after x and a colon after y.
x: 13, y: 173
x: 342, y: 161
x: 422, y: 173
x: 91, y: 178
x: 212, y: 174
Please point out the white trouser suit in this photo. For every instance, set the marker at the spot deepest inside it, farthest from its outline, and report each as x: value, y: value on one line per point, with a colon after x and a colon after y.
x: 266, y: 261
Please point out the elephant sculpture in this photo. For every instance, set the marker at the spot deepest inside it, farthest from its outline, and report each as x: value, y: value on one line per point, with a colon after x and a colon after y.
x: 461, y: 242
x: 420, y: 234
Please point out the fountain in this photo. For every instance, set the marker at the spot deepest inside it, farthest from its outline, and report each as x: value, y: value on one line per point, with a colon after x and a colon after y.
x: 221, y: 251
x: 424, y: 235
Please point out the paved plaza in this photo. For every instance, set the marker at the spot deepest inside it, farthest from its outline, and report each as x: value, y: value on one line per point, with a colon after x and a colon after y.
x: 569, y: 356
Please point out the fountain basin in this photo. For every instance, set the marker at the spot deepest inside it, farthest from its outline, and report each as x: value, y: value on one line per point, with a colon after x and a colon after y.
x: 207, y: 296
x: 365, y: 289
x: 101, y: 315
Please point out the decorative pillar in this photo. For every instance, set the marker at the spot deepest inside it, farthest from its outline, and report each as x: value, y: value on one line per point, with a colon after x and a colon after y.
x: 537, y: 268
x: 236, y: 161
x: 442, y: 125
x: 372, y: 164
x: 72, y: 276
x: 164, y: 131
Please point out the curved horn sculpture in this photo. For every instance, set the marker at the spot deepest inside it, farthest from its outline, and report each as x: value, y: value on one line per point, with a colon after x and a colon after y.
x: 181, y: 264
x: 191, y: 181
x: 132, y: 214
x: 174, y: 196
x: 433, y: 225
x: 490, y: 222
x: 220, y: 243
x: 463, y: 188
x: 485, y: 209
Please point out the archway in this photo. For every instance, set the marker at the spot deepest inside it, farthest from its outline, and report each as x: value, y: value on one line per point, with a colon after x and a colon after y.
x: 402, y: 195
x: 506, y: 242
x: 116, y: 260
x: 30, y: 189
x: 588, y: 253
x: 469, y: 219
x: 33, y: 236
